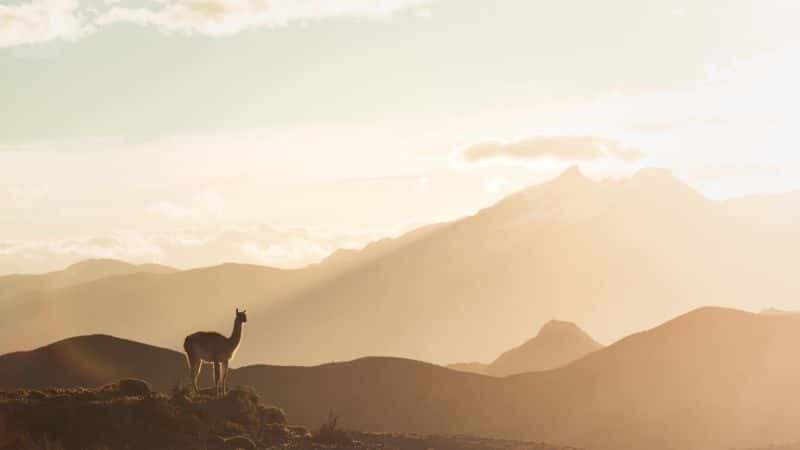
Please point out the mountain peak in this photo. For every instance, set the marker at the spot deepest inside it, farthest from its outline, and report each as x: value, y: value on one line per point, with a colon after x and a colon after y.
x: 94, y: 263
x: 571, y: 176
x: 560, y: 327
x: 557, y: 344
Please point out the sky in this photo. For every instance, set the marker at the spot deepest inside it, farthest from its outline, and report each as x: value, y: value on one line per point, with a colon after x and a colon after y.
x: 192, y: 132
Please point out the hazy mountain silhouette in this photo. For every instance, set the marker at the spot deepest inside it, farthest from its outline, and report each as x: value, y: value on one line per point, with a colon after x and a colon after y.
x: 710, y: 379
x: 615, y: 256
x: 162, y: 308
x: 556, y: 344
x: 82, y: 272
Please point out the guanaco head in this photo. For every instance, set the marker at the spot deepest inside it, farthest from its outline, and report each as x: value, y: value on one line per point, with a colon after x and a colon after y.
x: 241, y: 316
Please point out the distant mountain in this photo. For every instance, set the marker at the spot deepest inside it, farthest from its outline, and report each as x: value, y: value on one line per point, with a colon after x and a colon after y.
x: 615, y: 256
x: 711, y: 379
x: 82, y: 272
x: 556, y: 344
x: 158, y: 308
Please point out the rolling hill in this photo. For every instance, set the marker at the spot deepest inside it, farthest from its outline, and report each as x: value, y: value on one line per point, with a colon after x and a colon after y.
x: 78, y: 273
x: 90, y: 361
x: 556, y: 344
x: 710, y: 379
x: 615, y: 256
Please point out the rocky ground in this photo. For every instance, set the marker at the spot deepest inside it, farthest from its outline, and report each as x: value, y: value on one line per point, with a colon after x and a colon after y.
x: 128, y: 415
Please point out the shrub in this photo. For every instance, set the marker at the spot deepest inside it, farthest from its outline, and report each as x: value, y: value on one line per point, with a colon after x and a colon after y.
x: 329, y: 433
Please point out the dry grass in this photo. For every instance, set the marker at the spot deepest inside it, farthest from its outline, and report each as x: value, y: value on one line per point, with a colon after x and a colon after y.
x: 111, y: 418
x: 330, y: 433
x: 125, y: 416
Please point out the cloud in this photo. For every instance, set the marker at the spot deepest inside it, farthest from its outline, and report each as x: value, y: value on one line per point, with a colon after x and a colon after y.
x: 561, y: 148
x: 170, y: 210
x: 206, y: 204
x: 47, y: 20
x: 497, y: 184
x: 221, y: 17
x: 291, y: 252
x: 120, y: 245
x: 41, y: 21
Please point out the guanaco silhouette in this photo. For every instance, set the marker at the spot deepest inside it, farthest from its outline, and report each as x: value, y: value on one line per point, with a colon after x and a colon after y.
x: 214, y: 348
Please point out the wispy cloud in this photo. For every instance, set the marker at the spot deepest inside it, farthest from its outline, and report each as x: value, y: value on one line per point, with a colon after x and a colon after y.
x: 41, y: 21
x: 47, y: 20
x: 35, y: 254
x: 204, y: 205
x: 561, y: 148
x: 220, y: 17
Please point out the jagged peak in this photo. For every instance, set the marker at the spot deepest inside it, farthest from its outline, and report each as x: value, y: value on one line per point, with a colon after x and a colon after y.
x: 570, y: 179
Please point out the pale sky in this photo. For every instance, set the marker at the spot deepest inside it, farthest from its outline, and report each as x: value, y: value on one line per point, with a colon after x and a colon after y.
x: 192, y: 132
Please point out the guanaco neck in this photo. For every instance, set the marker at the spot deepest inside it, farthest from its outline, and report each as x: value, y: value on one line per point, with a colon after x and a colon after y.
x: 236, y: 336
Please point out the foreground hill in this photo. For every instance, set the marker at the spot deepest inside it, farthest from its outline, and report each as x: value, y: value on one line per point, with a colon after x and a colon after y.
x: 82, y: 272
x: 710, y: 379
x: 615, y: 256
x: 556, y: 344
x: 128, y: 415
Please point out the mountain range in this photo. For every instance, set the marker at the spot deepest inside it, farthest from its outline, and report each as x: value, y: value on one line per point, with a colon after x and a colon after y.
x: 78, y: 273
x: 709, y: 379
x: 616, y: 256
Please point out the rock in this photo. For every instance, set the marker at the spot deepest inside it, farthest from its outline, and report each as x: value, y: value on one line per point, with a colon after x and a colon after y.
x: 133, y: 387
x: 270, y: 414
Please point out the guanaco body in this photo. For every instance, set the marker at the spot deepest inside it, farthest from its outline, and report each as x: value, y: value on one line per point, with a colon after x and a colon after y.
x: 216, y: 349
